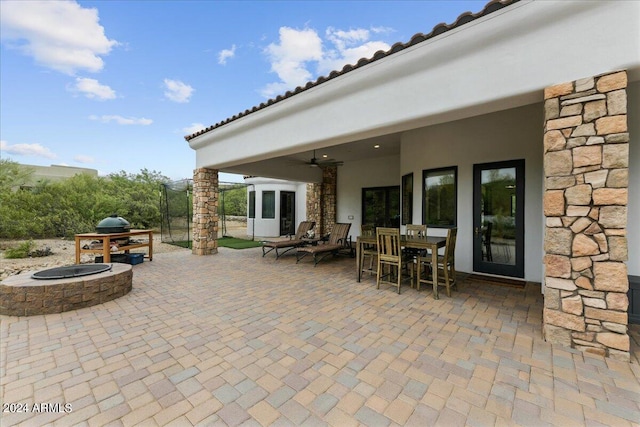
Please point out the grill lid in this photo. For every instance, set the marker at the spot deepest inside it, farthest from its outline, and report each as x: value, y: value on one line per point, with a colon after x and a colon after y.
x: 113, y: 224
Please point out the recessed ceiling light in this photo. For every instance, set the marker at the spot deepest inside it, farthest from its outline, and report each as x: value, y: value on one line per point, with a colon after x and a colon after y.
x: 376, y: 146
x: 324, y: 156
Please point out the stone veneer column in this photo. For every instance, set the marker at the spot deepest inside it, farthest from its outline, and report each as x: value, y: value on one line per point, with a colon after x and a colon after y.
x: 321, y: 201
x: 314, y: 205
x: 586, y: 160
x: 329, y: 200
x: 205, y: 211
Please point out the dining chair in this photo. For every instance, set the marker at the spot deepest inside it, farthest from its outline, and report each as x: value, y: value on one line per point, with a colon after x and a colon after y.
x: 411, y: 254
x: 370, y: 251
x: 389, y: 255
x: 416, y: 230
x: 446, y: 264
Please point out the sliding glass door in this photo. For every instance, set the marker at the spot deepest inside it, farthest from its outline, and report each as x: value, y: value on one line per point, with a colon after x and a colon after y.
x: 381, y: 206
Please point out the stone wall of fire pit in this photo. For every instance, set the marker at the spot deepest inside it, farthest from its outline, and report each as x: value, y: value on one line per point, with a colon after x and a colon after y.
x: 21, y: 295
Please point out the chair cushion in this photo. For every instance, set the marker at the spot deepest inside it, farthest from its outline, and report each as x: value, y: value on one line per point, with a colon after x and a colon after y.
x: 320, y: 248
x: 284, y: 243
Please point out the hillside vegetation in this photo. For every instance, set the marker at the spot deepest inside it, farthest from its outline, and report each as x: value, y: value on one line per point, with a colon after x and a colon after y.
x: 75, y: 205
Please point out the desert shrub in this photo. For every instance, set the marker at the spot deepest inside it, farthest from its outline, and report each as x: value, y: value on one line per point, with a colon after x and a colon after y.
x: 234, y: 201
x: 22, y: 251
x: 77, y: 204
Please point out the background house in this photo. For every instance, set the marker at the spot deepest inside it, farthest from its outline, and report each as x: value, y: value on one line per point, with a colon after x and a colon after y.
x: 275, y: 206
x: 53, y: 173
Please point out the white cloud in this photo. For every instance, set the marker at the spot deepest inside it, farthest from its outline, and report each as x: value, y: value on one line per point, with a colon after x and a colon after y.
x: 193, y: 128
x: 61, y: 35
x: 341, y: 39
x: 297, y: 51
x: 84, y: 159
x: 225, y: 54
x: 350, y: 55
x: 382, y: 30
x: 35, y: 150
x: 121, y: 120
x: 177, y: 91
x: 349, y: 47
x: 92, y: 89
x: 272, y: 90
x: 289, y: 59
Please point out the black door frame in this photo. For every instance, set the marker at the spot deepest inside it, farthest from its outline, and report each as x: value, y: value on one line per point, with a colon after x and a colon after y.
x: 479, y: 265
x: 283, y: 196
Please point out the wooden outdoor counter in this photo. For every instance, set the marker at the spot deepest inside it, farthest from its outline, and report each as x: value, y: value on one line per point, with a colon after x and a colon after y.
x: 106, y: 238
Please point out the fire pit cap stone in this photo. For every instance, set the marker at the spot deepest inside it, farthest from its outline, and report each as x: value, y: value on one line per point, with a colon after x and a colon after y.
x: 76, y: 270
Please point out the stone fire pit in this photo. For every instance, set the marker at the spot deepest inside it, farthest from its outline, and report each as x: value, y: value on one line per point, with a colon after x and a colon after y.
x: 23, y: 295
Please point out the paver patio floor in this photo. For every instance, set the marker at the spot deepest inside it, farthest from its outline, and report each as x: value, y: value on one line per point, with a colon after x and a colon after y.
x: 237, y: 339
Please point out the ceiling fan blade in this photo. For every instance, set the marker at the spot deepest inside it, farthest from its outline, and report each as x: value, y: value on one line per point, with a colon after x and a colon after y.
x: 331, y: 163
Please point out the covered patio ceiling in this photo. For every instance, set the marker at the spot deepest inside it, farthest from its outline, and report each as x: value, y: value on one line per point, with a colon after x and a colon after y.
x: 297, y: 167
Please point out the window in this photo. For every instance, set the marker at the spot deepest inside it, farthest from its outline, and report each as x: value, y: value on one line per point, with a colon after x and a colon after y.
x: 268, y: 204
x: 381, y: 206
x: 252, y: 204
x: 407, y: 199
x: 440, y: 197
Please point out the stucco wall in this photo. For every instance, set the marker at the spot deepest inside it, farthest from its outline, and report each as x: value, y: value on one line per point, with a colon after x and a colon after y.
x: 508, y: 135
x: 270, y: 227
x: 353, y: 177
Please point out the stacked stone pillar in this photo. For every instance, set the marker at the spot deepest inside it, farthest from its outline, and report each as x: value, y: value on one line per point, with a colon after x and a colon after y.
x: 205, y: 211
x: 586, y: 160
x: 314, y: 205
x: 329, y: 199
x: 321, y: 201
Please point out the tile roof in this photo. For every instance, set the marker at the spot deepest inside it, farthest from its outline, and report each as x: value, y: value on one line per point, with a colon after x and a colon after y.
x: 441, y: 28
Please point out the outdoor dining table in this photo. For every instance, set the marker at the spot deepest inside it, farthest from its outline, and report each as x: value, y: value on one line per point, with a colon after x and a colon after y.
x: 431, y: 243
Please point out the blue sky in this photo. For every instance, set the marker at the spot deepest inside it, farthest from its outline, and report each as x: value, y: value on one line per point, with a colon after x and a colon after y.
x: 116, y: 85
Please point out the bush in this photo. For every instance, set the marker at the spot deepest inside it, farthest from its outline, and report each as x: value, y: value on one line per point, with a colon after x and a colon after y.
x: 234, y: 201
x: 77, y: 204
x: 22, y: 251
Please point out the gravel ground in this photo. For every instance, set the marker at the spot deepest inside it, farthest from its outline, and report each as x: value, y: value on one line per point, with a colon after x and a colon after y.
x: 64, y: 250
x: 63, y: 254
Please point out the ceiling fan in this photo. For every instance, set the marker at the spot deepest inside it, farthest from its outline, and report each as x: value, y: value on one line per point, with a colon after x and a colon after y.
x: 314, y: 162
